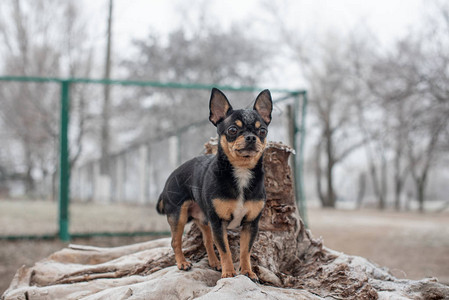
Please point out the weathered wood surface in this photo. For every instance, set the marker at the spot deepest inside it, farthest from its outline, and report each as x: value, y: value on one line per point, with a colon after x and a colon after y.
x: 290, y: 263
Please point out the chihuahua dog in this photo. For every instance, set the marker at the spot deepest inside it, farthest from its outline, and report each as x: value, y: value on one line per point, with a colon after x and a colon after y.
x: 222, y: 191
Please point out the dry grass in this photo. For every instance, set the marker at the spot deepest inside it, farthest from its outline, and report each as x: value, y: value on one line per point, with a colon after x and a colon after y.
x: 40, y: 217
x: 411, y: 245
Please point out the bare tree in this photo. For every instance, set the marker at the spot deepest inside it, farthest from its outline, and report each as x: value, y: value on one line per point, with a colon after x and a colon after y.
x: 333, y: 97
x: 371, y: 125
x: 40, y: 38
x: 411, y: 84
x: 390, y: 86
x: 326, y: 64
x: 428, y: 58
x: 209, y: 55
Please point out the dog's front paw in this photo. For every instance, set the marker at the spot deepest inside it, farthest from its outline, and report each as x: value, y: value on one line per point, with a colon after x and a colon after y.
x: 215, y: 264
x: 251, y: 275
x: 184, y: 265
x: 228, y: 274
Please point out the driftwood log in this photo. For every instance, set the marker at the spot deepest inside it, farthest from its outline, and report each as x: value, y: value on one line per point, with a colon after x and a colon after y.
x: 289, y: 262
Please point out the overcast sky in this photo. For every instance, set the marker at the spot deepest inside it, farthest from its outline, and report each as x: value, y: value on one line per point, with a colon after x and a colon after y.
x: 388, y: 18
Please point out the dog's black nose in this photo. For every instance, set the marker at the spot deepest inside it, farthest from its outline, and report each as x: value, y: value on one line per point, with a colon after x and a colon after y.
x: 251, y: 138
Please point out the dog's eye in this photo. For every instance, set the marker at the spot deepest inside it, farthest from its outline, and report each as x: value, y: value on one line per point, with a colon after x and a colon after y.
x: 263, y: 132
x: 232, y: 130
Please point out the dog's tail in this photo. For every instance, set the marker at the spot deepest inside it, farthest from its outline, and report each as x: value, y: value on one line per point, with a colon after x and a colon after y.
x: 160, y: 206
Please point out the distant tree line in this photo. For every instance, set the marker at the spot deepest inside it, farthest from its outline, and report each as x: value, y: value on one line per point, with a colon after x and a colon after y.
x: 388, y: 107
x: 392, y: 103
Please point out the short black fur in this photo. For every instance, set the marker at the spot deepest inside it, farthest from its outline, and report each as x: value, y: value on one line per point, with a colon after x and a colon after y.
x: 199, y: 182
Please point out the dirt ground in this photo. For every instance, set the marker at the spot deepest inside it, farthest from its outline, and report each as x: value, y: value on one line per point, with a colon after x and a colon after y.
x: 411, y: 245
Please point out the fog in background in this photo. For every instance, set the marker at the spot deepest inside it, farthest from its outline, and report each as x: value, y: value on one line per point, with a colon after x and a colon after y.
x: 376, y: 73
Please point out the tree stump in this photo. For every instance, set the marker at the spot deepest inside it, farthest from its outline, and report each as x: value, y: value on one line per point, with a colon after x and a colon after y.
x: 289, y: 262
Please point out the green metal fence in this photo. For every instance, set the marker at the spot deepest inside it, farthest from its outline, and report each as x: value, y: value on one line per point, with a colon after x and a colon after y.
x: 298, y: 116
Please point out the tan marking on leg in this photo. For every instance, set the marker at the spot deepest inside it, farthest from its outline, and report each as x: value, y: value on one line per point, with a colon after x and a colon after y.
x: 209, y: 245
x: 177, y: 229
x: 257, y: 124
x: 245, y: 254
x: 227, y: 268
x: 239, y: 123
x: 224, y: 208
x: 253, y: 208
x: 161, y: 206
x: 196, y: 212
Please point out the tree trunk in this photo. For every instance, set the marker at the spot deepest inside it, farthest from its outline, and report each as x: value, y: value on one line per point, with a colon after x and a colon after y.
x: 361, y: 190
x: 375, y: 182
x: 420, y: 189
x: 330, y: 199
x: 289, y: 262
x: 420, y: 177
x: 397, y: 193
x: 106, y: 113
x: 398, y: 177
x: 420, y: 184
x: 54, y: 185
x: 318, y: 175
x: 29, y: 180
x: 383, y: 184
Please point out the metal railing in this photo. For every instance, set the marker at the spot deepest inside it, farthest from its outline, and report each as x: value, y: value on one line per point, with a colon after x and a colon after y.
x: 299, y: 127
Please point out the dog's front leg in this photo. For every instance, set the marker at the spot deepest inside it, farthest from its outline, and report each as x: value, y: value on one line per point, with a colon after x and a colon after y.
x: 247, y: 237
x: 221, y: 242
x: 209, y: 245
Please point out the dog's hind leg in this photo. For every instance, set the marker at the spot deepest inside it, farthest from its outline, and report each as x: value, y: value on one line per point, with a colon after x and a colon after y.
x: 177, y: 223
x: 209, y: 245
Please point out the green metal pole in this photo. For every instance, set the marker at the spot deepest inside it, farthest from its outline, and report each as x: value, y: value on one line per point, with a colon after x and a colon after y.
x: 64, y: 165
x: 299, y: 159
x: 296, y: 160
x: 301, y: 156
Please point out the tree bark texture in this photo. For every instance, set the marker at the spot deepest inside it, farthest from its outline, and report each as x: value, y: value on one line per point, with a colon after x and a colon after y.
x: 289, y: 262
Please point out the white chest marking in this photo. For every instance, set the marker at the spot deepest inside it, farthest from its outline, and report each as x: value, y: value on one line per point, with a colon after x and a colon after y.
x: 243, y: 177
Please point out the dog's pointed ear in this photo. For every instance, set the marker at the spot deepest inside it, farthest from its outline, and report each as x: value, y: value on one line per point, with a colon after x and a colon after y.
x: 219, y: 106
x: 264, y: 105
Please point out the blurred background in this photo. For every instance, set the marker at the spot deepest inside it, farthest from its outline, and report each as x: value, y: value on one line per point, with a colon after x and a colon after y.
x: 376, y: 150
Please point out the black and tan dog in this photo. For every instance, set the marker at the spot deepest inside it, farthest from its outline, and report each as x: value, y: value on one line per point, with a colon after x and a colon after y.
x: 222, y: 191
